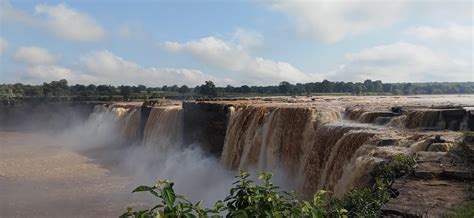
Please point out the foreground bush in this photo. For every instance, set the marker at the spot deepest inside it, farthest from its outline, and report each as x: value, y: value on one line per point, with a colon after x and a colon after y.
x: 249, y: 199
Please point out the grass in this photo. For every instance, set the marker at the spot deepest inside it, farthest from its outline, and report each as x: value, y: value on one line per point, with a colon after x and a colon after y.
x: 465, y: 211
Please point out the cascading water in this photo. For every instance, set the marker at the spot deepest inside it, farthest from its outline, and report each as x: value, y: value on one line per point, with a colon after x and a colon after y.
x: 270, y: 137
x: 127, y: 119
x: 298, y: 140
x: 423, y: 118
x: 160, y: 153
x: 313, y: 146
x: 131, y: 124
x: 164, y: 128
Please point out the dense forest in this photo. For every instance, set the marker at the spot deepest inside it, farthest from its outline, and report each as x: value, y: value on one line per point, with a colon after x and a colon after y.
x: 61, y: 90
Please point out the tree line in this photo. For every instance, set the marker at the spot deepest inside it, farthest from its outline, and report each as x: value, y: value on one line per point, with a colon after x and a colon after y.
x: 61, y: 88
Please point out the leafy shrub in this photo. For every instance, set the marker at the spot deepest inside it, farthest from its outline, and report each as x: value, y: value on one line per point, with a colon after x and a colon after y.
x: 389, y: 171
x: 172, y: 205
x: 366, y: 202
x: 248, y: 199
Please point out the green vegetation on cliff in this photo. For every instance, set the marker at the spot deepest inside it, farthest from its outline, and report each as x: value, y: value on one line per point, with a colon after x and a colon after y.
x: 263, y: 199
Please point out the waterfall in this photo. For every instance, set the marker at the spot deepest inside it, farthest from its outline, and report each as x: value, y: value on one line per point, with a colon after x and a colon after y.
x: 164, y: 128
x: 266, y: 138
x: 127, y: 119
x: 309, y: 144
x: 397, y: 122
x: 339, y: 155
x: 314, y: 146
x: 424, y: 118
x: 131, y: 124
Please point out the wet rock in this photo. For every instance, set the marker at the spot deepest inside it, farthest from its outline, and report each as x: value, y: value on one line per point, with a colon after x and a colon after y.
x: 144, y: 114
x: 451, y: 118
x: 453, y: 113
x: 370, y: 117
x: 470, y: 121
x: 397, y: 110
x: 429, y: 165
x: 440, y: 165
x: 386, y: 142
x: 382, y: 120
x: 469, y: 139
x: 427, y: 198
x: 443, y: 147
x: 472, y: 190
x: 206, y: 124
x: 426, y: 171
x: 458, y: 174
x: 438, y: 139
x: 426, y: 156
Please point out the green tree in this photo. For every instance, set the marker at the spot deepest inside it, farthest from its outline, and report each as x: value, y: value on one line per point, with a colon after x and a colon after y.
x: 284, y: 87
x: 245, y: 89
x: 174, y: 88
x: 208, y: 89
x: 47, y: 90
x: 91, y: 88
x: 378, y: 86
x: 229, y: 89
x: 327, y: 86
x: 358, y: 89
x: 408, y: 89
x: 126, y: 92
x: 184, y: 89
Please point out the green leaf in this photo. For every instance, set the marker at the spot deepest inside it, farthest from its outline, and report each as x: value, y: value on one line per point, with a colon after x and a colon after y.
x: 168, y: 195
x: 143, y: 188
x: 142, y: 214
x: 156, y: 207
x: 153, y: 192
x: 125, y: 215
x: 218, y: 205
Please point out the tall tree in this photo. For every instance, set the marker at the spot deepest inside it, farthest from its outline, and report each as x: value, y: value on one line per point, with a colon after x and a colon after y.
x: 208, y: 89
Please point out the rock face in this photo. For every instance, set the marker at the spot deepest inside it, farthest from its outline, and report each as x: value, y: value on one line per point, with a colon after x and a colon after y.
x: 434, y: 118
x: 440, y: 147
x: 439, y: 186
x: 205, y: 123
x: 441, y: 165
x: 144, y: 115
x: 427, y: 198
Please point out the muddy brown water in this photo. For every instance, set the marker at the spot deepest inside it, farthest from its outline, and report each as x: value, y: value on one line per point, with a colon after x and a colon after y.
x: 39, y: 178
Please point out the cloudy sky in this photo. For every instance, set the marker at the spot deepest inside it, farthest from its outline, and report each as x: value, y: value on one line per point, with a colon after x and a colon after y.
x: 238, y: 42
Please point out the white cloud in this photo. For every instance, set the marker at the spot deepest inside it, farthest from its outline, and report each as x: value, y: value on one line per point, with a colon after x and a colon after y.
x: 70, y: 24
x: 332, y: 21
x: 247, y: 38
x: 10, y: 14
x: 132, y: 31
x: 451, y: 33
x: 3, y: 45
x: 41, y: 73
x: 401, y: 62
x: 231, y: 57
x: 110, y: 68
x: 34, y: 56
x: 104, y: 67
x: 61, y: 20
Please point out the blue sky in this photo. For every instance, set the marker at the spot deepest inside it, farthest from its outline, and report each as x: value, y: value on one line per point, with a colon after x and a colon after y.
x: 235, y: 42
